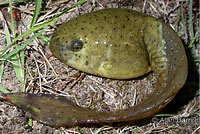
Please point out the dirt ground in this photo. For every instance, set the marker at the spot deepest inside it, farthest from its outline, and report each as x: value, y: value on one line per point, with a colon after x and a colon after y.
x: 96, y: 92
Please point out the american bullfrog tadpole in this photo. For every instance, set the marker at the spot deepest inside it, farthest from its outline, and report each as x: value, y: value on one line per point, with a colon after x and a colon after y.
x: 117, y: 44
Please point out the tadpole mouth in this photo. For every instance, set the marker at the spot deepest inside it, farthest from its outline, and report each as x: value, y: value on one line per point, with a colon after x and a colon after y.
x: 56, y: 47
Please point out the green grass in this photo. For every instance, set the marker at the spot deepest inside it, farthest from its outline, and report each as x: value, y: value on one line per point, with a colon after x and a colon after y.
x: 3, y: 90
x: 14, y: 1
x: 16, y: 56
x: 184, y: 23
x: 80, y: 130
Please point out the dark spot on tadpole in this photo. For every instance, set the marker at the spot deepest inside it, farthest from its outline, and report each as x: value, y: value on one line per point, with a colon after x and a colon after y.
x: 95, y: 28
x: 126, y: 45
x: 86, y: 63
x: 116, y: 16
x: 104, y: 17
x: 91, y: 31
x: 66, y: 41
x: 101, y: 27
x: 82, y: 28
x: 114, y: 29
x: 121, y: 36
x: 135, y: 20
x: 127, y: 18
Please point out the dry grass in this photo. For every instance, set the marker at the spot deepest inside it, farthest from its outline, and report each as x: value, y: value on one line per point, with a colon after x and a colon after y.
x: 45, y: 74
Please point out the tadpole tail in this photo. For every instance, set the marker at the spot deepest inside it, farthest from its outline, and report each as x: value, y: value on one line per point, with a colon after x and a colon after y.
x: 55, y: 110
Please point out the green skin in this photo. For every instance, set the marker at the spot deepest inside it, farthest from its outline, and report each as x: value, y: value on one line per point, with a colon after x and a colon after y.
x: 117, y: 44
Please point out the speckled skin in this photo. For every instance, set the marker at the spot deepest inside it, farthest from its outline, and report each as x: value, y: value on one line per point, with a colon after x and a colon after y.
x: 118, y: 44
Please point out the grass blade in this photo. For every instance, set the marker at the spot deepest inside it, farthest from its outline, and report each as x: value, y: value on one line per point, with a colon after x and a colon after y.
x: 190, y: 19
x: 184, y: 25
x: 14, y: 1
x: 16, y: 59
x: 45, y: 39
x: 23, y: 46
x: 12, y: 19
x: 36, y: 13
x: 3, y: 90
x: 99, y: 130
x: 80, y: 130
x: 193, y: 40
x: 8, y: 41
x: 19, y: 68
x: 1, y: 70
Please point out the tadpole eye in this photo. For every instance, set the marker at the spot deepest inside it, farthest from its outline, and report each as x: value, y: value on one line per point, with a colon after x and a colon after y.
x: 76, y: 45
